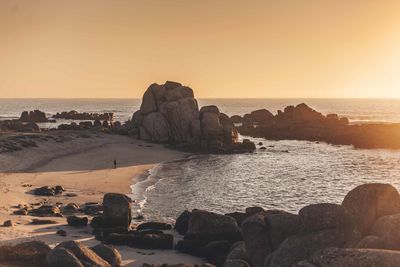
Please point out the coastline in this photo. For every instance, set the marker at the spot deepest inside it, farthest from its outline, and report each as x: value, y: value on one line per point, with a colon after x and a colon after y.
x: 83, y: 167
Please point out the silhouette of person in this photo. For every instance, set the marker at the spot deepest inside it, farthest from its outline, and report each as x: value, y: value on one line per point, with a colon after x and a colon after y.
x: 115, y: 163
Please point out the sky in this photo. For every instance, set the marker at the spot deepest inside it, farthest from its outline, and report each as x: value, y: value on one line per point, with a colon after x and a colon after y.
x: 220, y: 48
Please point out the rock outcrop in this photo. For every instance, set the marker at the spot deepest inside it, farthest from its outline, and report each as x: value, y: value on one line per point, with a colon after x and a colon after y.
x: 75, y: 115
x: 303, y: 123
x: 170, y: 113
x: 33, y: 116
x: 357, y: 233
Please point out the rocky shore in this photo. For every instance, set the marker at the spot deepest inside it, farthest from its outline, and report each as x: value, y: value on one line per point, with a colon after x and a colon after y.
x: 169, y: 114
x: 362, y: 231
x: 303, y: 123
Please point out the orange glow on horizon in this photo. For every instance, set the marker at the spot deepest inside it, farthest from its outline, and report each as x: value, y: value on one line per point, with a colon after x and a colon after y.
x: 223, y: 49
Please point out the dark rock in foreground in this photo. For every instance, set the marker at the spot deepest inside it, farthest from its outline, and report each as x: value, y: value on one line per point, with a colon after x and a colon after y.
x: 31, y: 251
x: 109, y: 254
x: 326, y: 234
x: 76, y: 221
x: 117, y: 210
x: 83, y: 254
x: 369, y: 202
x: 62, y: 257
x: 335, y: 257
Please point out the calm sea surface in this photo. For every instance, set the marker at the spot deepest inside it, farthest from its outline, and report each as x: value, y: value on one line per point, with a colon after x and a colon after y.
x: 288, y: 175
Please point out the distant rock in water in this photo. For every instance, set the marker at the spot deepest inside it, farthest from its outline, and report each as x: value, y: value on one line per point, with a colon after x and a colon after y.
x: 304, y: 123
x: 170, y: 113
x: 33, y: 116
x: 75, y: 115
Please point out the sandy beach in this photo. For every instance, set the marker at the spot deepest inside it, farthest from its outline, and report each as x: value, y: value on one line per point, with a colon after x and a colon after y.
x: 82, y: 165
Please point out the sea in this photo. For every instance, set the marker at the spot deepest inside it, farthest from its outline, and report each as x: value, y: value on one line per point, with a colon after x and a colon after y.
x: 287, y: 175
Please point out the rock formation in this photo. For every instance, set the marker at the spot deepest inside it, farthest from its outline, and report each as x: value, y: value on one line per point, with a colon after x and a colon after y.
x: 303, y: 123
x: 75, y: 115
x: 170, y: 113
x: 33, y: 116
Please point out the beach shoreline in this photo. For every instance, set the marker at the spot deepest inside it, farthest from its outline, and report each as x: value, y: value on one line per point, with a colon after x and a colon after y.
x: 83, y: 166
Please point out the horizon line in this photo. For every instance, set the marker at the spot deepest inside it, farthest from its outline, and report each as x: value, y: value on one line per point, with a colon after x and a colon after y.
x: 203, y: 98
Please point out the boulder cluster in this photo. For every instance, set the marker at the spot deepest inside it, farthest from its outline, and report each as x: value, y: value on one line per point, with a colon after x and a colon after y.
x: 75, y: 115
x: 362, y: 231
x: 303, y: 123
x: 169, y: 113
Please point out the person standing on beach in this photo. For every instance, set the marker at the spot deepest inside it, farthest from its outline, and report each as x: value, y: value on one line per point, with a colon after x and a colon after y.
x: 115, y: 163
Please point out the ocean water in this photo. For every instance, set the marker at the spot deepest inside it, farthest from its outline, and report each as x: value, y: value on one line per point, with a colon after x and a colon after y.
x: 287, y: 175
x: 357, y: 110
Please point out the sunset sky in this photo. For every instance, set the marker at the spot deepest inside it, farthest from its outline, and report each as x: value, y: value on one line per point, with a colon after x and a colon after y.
x: 221, y: 48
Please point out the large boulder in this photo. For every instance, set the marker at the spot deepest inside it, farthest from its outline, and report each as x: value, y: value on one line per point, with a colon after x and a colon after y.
x: 117, y: 210
x: 386, y: 228
x: 212, y: 226
x: 323, y: 216
x: 156, y: 127
x: 61, y: 257
x: 256, y: 238
x: 280, y: 226
x: 336, y: 257
x: 368, y: 202
x: 300, y: 247
x: 259, y: 116
x: 31, y: 251
x: 109, y: 254
x: 83, y: 254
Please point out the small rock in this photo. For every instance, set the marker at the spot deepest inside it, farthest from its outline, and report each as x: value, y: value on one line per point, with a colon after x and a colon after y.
x: 154, y: 226
x: 71, y: 208
x: 61, y: 233
x: 97, y: 222
x: 92, y: 208
x: 76, y: 221
x: 39, y: 222
x: 22, y: 211
x: 8, y: 223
